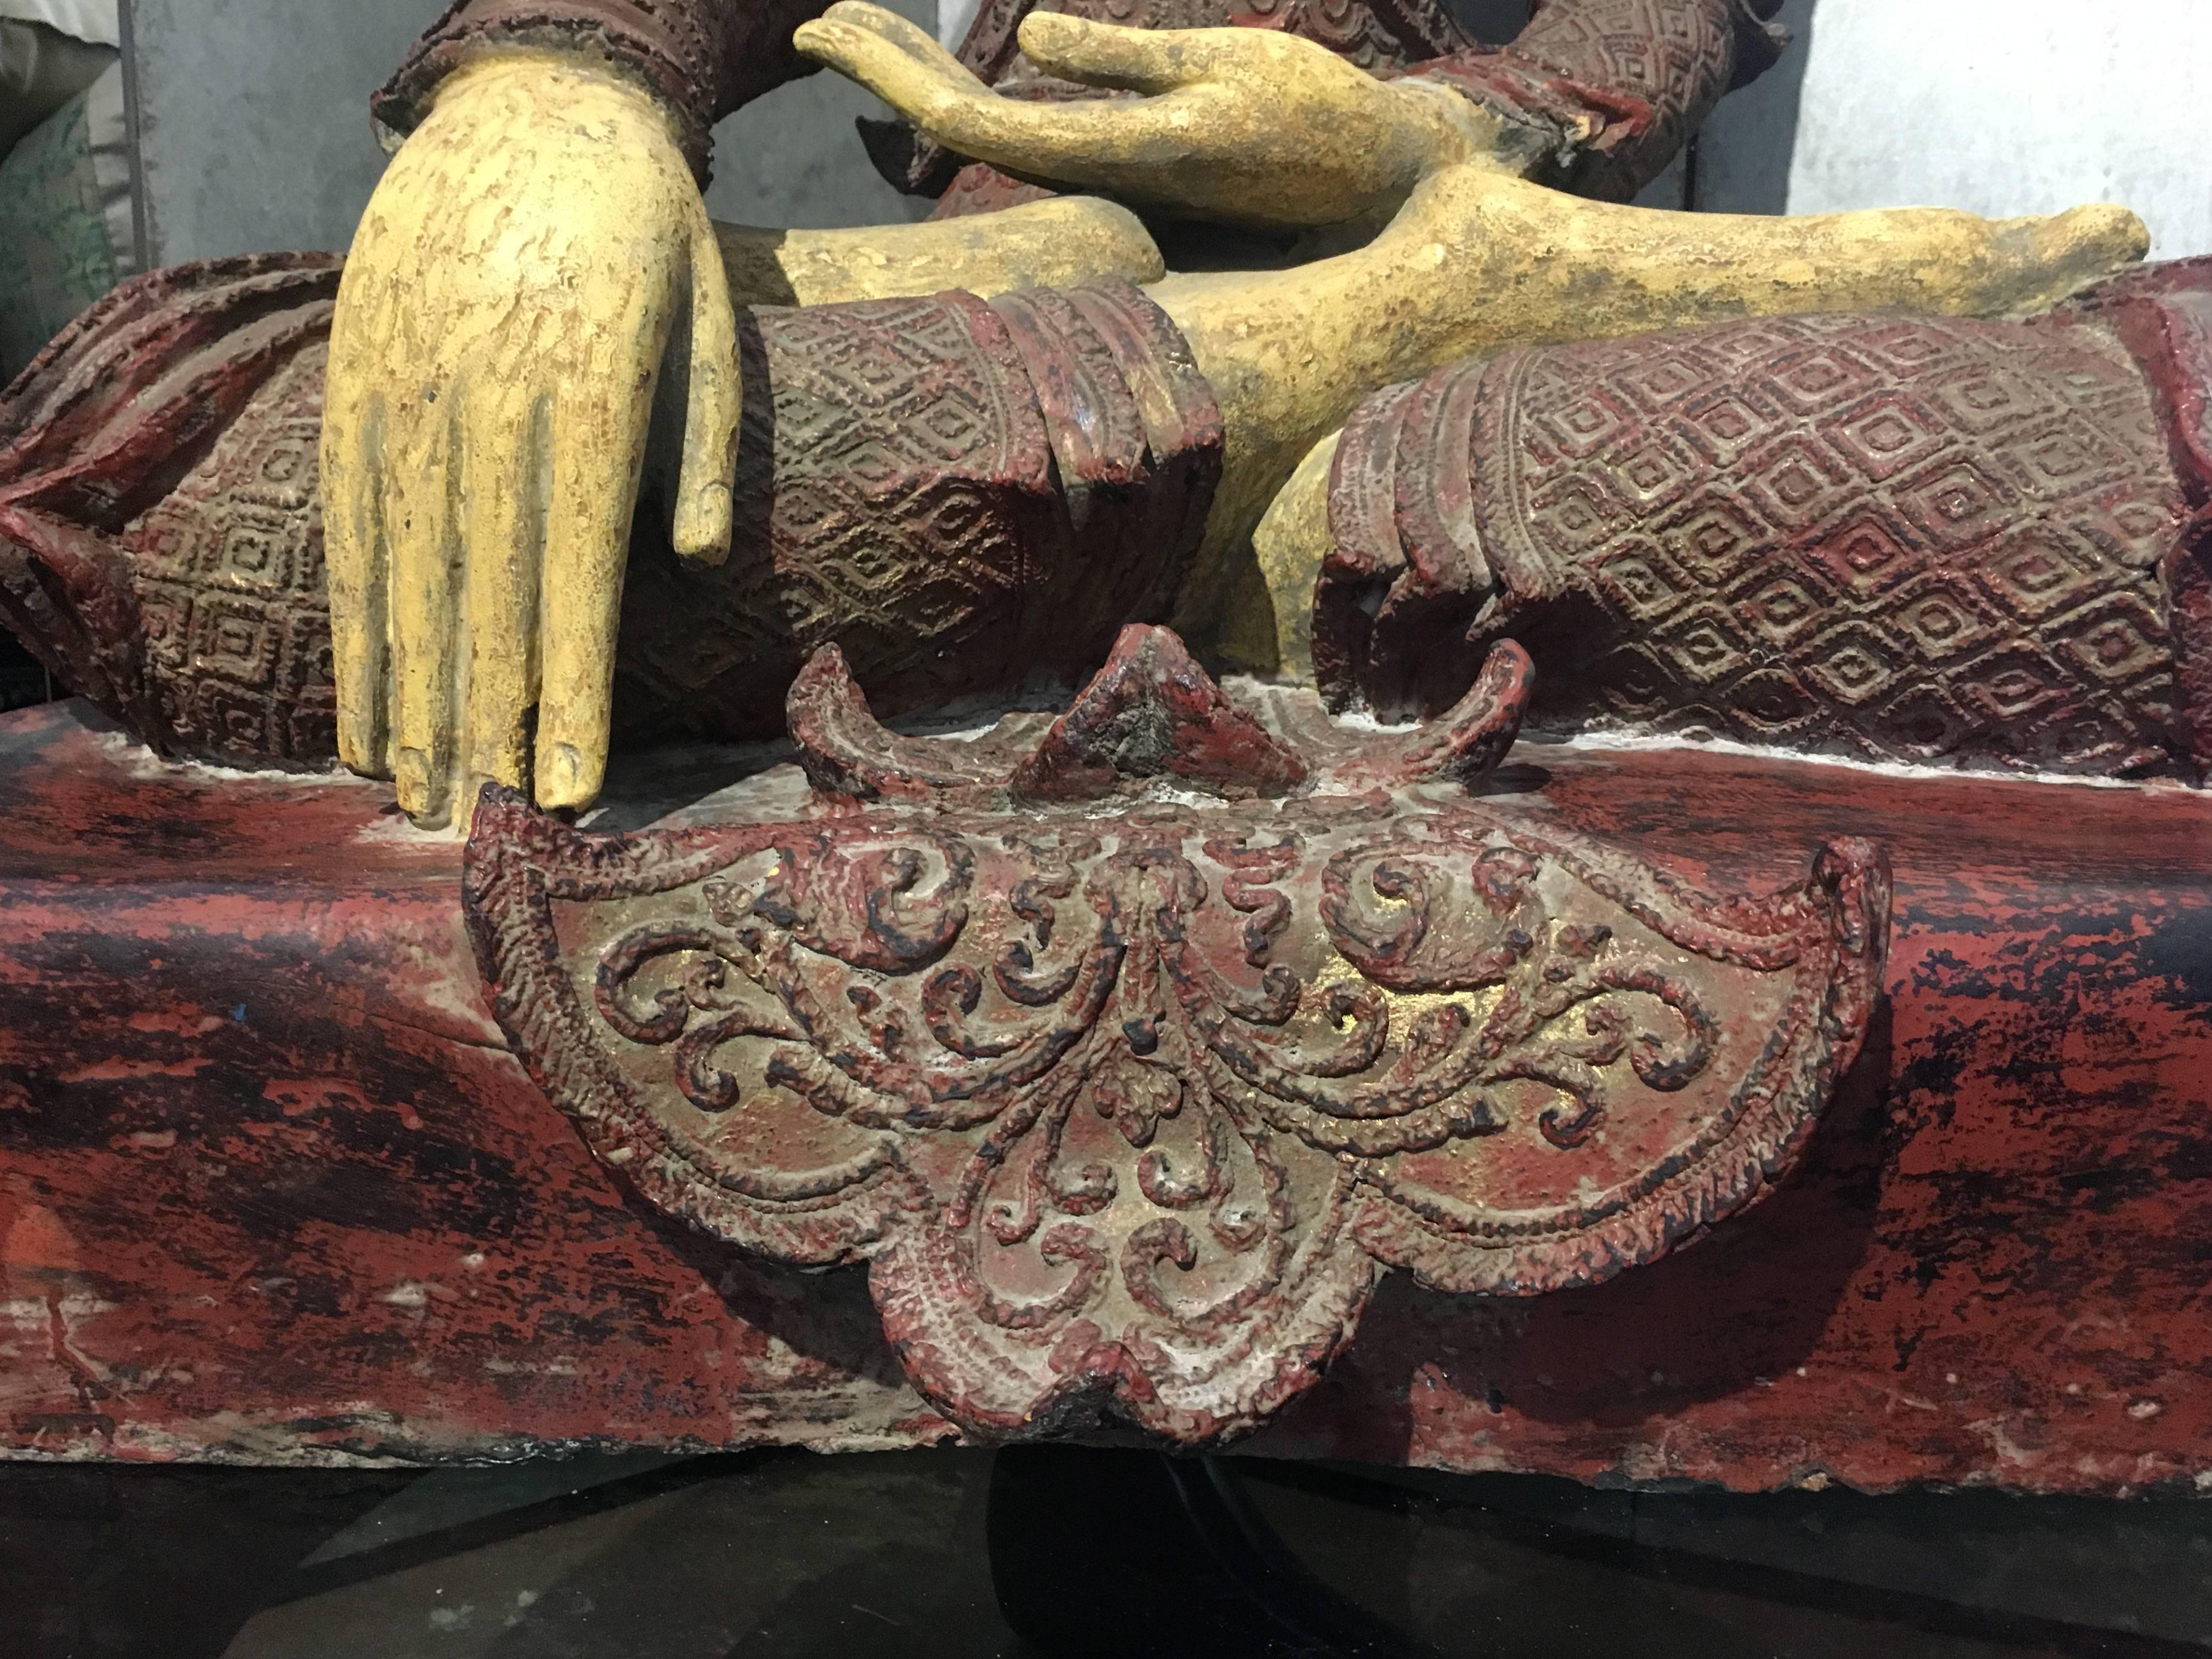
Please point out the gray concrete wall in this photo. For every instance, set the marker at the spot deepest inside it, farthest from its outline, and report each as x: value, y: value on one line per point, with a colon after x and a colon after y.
x: 792, y: 157
x: 255, y: 131
x: 2000, y: 106
x: 253, y: 127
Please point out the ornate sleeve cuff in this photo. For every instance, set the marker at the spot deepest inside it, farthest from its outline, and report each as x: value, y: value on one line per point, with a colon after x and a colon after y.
x: 1620, y: 84
x: 701, y: 59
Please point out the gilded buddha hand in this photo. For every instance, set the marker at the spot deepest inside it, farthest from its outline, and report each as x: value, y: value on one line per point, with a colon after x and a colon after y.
x: 511, y: 297
x: 1243, y: 126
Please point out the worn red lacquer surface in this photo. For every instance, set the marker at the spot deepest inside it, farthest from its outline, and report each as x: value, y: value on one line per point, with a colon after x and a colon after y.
x: 270, y: 1187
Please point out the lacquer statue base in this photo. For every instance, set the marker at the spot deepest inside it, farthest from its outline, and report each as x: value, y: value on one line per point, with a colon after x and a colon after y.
x: 273, y: 1189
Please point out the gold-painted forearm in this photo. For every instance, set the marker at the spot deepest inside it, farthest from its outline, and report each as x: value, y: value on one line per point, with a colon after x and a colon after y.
x: 1038, y: 244
x: 1479, y: 260
x: 1288, y: 545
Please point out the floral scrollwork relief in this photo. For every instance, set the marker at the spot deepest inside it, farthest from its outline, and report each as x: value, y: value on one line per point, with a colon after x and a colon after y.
x: 1127, y: 1109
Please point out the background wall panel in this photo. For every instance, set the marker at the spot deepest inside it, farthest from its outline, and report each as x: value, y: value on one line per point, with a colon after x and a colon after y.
x: 254, y: 131
x: 2001, y: 107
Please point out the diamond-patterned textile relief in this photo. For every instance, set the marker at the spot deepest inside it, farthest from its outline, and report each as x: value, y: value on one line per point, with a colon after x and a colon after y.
x: 959, y: 495
x: 1900, y: 539
x: 161, y: 518
x: 230, y: 581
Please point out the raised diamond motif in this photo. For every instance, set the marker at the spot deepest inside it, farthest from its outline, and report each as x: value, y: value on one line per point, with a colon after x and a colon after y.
x: 1773, y: 703
x: 1941, y: 622
x: 1867, y: 555
x: 1981, y: 398
x: 1783, y: 606
x: 1926, y: 722
x: 1641, y: 583
x: 1657, y: 472
x: 1657, y: 383
x: 1577, y: 511
x: 1632, y: 681
x: 2012, y: 682
x: 1587, y: 425
x: 2119, y: 640
x: 2036, y: 571
x: 1910, y: 346
x: 1724, y: 422
x: 1796, y: 483
x: 1854, y: 664
x: 1888, y: 436
x: 1957, y: 503
x: 1822, y: 379
x: 1714, y: 538
x: 1705, y: 646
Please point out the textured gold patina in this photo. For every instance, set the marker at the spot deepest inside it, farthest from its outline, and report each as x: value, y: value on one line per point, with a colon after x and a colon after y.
x: 1037, y: 244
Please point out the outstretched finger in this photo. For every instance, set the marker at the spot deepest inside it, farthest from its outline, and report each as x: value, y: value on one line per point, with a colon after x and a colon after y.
x: 354, y: 548
x: 916, y: 42
x: 503, y: 442
x: 1107, y: 55
x: 918, y: 88
x: 1091, y: 143
x: 714, y: 400
x: 424, y: 557
x: 593, y: 488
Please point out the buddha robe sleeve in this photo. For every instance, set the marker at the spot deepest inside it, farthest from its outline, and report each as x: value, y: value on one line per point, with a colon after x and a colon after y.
x: 968, y: 497
x: 1617, y: 86
x: 1927, y: 540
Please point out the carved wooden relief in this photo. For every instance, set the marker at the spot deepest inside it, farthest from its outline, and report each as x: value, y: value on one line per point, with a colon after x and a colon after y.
x: 1129, y: 1051
x: 160, y: 514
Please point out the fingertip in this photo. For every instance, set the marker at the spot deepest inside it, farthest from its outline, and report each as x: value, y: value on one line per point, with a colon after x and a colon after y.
x: 567, y: 778
x: 704, y: 512
x: 1045, y: 28
x: 357, y: 748
x: 832, y: 37
x: 705, y: 517
x: 354, y: 560
x: 2124, y: 229
x: 421, y: 788
x: 1063, y: 32
x: 1107, y: 55
x: 828, y: 41
x: 1047, y: 36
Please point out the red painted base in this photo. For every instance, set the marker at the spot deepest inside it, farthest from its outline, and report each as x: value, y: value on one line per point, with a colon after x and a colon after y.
x: 272, y: 1189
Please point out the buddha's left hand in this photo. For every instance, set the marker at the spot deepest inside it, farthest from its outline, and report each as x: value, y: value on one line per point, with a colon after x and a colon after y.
x: 517, y: 281
x: 1244, y: 125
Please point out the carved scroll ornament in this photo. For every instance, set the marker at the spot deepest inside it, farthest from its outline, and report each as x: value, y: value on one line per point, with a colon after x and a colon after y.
x: 1129, y: 1054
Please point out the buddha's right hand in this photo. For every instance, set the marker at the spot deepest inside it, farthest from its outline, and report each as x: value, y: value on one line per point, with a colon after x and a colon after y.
x: 518, y: 275
x: 1247, y: 126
